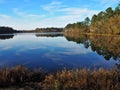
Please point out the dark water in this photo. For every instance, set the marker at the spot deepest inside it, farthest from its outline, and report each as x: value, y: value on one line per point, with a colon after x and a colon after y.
x: 54, y: 51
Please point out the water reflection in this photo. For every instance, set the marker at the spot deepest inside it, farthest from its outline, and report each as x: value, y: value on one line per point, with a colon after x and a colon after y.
x: 3, y: 37
x: 52, y: 54
x: 107, y: 46
x: 49, y: 34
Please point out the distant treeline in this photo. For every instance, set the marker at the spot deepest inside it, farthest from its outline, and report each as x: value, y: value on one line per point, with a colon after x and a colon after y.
x: 49, y: 35
x: 105, y: 22
x: 51, y: 29
x: 9, y: 30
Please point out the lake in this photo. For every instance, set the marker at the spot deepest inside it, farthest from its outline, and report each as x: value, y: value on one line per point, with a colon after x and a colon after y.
x: 52, y: 52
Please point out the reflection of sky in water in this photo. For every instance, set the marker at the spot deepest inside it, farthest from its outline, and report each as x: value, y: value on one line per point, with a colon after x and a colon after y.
x: 48, y: 53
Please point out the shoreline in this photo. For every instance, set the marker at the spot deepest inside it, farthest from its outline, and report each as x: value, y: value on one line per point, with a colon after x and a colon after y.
x: 19, y: 32
x: 94, y: 34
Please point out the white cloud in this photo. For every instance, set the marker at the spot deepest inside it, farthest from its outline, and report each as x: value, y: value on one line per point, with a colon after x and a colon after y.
x: 26, y: 20
x: 59, y: 7
x: 82, y: 12
x: 52, y: 5
x: 31, y: 21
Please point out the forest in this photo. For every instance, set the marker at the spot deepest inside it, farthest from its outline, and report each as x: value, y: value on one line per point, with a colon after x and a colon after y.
x: 7, y: 30
x: 105, y: 22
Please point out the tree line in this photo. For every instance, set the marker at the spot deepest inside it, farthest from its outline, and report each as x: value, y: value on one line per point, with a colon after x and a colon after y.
x: 105, y: 22
x: 7, y: 30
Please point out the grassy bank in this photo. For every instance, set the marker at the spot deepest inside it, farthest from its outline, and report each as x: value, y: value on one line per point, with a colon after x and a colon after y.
x: 20, y: 77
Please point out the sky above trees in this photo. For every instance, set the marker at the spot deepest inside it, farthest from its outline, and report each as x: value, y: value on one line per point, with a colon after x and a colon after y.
x: 30, y: 14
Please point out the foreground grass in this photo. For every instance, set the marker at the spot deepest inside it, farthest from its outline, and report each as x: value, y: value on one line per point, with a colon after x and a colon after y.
x: 21, y: 78
x: 19, y: 75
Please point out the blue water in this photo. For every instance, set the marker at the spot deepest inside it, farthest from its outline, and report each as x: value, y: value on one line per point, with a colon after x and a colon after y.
x: 49, y: 53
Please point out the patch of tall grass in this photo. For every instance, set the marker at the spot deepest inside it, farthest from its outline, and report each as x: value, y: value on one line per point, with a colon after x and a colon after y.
x: 19, y: 75
x: 79, y: 79
x: 83, y: 80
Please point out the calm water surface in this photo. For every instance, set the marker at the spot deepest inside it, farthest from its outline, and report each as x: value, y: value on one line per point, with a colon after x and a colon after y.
x: 54, y: 52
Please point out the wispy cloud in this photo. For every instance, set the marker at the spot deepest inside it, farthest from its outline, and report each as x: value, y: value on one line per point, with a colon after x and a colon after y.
x: 16, y: 11
x: 32, y: 21
x: 82, y: 12
x: 6, y: 48
x: 5, y: 16
x: 68, y: 12
x: 52, y: 5
x: 1, y: 1
x: 57, y: 14
x: 106, y: 3
x: 24, y: 14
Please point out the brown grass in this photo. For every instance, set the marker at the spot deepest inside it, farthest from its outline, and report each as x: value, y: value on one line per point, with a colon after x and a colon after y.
x: 19, y: 75
x: 82, y: 79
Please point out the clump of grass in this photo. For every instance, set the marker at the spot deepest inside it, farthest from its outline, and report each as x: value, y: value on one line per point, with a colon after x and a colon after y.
x: 19, y: 75
x: 83, y: 80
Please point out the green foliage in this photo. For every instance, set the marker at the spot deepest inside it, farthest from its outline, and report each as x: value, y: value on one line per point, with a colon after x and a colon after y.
x: 94, y: 19
x: 117, y: 10
x: 109, y: 12
x: 51, y: 29
x: 105, y: 22
x: 87, y: 21
x: 79, y: 27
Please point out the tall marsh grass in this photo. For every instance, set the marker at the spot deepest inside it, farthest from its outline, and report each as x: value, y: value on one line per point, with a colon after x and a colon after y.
x: 19, y: 75
x: 82, y: 79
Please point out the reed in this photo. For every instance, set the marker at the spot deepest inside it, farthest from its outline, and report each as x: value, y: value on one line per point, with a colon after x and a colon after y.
x: 83, y: 80
x: 80, y: 79
x: 19, y: 75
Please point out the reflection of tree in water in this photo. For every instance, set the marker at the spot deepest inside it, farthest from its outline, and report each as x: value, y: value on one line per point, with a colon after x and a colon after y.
x: 49, y: 35
x: 3, y: 37
x: 108, y: 47
x: 118, y: 65
x: 79, y: 39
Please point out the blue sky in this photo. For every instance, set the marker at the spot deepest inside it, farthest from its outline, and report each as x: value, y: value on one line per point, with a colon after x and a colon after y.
x: 30, y: 14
